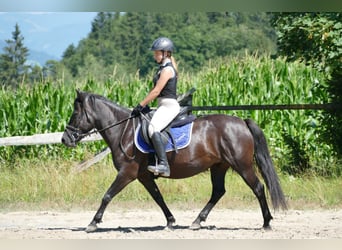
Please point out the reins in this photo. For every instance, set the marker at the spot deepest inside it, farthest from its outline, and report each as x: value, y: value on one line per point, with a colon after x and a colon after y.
x: 121, y: 142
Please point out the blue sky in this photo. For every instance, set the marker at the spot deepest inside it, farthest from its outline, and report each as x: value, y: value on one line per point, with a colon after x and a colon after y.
x: 48, y: 32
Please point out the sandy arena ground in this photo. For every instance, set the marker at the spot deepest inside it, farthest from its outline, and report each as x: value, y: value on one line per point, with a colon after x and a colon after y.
x: 149, y: 224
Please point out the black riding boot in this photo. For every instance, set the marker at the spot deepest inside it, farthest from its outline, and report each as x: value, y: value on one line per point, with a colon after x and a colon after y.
x: 152, y: 159
x: 162, y: 167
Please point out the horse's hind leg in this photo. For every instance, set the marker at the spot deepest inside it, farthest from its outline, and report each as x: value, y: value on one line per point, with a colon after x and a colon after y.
x: 258, y: 189
x: 218, y: 173
x: 148, y: 182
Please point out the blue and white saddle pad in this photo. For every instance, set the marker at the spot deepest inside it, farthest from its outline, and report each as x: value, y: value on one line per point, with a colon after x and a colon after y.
x: 181, y: 135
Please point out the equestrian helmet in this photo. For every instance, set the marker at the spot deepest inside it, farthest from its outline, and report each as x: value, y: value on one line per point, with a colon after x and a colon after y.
x: 162, y: 43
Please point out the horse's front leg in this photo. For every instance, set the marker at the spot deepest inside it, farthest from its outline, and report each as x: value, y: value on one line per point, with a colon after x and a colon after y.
x: 119, y: 183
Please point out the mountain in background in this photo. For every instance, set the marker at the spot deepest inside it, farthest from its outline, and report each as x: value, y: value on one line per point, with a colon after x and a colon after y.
x: 46, y: 35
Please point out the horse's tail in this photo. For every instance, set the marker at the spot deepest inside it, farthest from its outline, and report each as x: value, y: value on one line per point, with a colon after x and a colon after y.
x: 265, y: 164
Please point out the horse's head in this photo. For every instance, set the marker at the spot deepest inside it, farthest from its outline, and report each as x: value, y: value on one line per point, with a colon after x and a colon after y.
x: 81, y: 120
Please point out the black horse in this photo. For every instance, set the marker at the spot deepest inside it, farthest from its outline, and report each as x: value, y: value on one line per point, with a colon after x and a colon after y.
x: 217, y: 143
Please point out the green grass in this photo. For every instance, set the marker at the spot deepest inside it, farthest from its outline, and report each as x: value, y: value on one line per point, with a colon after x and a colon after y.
x: 53, y: 185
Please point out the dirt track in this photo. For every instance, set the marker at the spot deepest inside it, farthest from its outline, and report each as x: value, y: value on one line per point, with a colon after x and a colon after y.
x: 149, y: 224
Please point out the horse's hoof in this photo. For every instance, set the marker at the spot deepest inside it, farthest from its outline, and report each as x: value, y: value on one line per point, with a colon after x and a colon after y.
x: 267, y: 228
x: 169, y: 226
x: 195, y: 226
x: 91, y: 228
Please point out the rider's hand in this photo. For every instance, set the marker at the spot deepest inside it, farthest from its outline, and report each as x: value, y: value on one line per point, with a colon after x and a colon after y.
x: 137, y: 110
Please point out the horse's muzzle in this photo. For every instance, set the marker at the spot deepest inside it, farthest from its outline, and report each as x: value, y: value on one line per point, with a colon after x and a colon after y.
x: 70, y: 138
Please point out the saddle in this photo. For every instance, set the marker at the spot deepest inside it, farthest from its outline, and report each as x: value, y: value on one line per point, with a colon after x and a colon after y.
x: 184, y: 117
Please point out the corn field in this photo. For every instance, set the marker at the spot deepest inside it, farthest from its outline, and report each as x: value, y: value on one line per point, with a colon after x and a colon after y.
x: 293, y: 135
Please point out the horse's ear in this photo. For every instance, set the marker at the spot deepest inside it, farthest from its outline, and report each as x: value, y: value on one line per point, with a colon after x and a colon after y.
x: 80, y: 94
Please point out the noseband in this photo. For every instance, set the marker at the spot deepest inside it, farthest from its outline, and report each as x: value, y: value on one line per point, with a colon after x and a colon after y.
x: 75, y: 134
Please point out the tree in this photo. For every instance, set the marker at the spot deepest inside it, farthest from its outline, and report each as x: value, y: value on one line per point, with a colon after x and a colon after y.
x: 12, y: 62
x: 71, y: 60
x: 316, y: 39
x: 98, y: 24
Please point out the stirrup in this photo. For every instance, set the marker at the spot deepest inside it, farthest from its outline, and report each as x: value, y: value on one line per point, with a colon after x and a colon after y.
x: 159, y: 170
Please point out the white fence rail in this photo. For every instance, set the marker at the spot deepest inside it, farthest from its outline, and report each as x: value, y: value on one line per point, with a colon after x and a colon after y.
x: 40, y: 139
x: 54, y: 138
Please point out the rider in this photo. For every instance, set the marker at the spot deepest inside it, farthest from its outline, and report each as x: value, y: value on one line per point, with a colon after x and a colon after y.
x: 165, y: 84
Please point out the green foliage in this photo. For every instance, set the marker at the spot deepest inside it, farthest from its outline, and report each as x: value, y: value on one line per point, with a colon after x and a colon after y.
x: 316, y: 38
x: 254, y: 80
x: 313, y: 37
x: 333, y: 118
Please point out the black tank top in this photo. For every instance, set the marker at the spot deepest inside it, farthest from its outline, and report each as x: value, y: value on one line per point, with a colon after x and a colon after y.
x: 170, y: 89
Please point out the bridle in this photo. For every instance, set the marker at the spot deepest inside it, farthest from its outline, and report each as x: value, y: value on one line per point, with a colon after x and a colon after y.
x: 77, y: 134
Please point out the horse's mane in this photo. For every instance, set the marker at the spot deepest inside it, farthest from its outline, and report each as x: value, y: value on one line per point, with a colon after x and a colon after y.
x: 110, y: 103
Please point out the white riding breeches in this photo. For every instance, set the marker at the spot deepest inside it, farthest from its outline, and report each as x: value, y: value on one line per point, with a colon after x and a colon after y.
x: 168, y: 109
